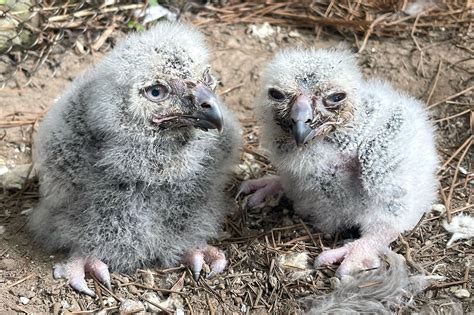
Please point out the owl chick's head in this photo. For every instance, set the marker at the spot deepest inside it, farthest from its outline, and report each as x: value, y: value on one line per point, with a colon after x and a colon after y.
x: 310, y: 93
x: 159, y: 81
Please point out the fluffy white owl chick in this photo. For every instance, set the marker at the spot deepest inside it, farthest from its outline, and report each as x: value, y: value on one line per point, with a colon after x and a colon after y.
x: 350, y: 153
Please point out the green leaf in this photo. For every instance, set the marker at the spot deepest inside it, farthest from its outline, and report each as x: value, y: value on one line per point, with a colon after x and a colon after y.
x: 135, y: 25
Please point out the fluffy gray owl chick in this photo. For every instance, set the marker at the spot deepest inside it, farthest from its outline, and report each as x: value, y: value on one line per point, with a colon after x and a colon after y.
x: 131, y: 172
x: 350, y: 153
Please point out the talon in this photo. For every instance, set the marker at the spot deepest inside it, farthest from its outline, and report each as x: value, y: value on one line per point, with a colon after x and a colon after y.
x: 195, y: 261
x: 74, y: 271
x: 80, y: 285
x: 99, y: 270
x: 209, y: 254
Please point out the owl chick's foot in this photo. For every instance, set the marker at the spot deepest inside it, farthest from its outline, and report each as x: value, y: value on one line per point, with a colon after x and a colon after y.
x: 209, y: 255
x: 74, y: 271
x: 261, y: 189
x: 358, y: 255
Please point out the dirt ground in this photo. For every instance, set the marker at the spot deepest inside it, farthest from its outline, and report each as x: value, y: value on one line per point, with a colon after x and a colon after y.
x: 255, y: 241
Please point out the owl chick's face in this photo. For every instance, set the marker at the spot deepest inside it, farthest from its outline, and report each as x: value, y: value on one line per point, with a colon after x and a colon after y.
x: 165, y: 81
x: 310, y: 93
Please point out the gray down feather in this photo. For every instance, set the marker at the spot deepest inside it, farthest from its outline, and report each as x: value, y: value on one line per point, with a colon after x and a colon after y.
x: 113, y: 185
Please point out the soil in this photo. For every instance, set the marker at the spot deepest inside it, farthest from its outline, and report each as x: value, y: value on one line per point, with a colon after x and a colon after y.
x: 254, y: 240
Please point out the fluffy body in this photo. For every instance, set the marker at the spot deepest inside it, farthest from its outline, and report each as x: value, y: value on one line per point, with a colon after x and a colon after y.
x: 375, y: 173
x: 115, y: 187
x: 351, y: 154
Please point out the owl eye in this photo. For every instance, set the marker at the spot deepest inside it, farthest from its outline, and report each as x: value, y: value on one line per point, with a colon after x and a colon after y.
x: 276, y: 95
x: 335, y: 100
x: 156, y: 93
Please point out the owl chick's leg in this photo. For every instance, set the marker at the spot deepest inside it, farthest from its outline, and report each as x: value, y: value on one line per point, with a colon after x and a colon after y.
x: 360, y: 254
x: 261, y: 189
x: 74, y: 271
x: 209, y: 255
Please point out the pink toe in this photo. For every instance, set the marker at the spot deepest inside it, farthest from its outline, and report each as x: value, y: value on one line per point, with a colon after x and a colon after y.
x: 99, y: 270
x: 331, y: 256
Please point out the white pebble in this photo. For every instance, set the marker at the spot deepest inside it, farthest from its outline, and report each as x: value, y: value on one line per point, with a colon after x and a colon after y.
x: 3, y: 169
x: 128, y: 306
x: 335, y: 283
x: 438, y: 208
x: 24, y: 300
x: 462, y: 294
x: 154, y: 298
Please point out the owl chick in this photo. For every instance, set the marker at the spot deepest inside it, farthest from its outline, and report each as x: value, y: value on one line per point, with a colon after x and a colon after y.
x: 131, y: 168
x: 350, y: 153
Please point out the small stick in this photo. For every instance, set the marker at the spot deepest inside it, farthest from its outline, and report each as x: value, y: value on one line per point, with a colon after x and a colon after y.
x: 451, y: 97
x: 99, y: 293
x: 450, y: 195
x: 453, y: 116
x: 94, y: 311
x: 14, y: 123
x: 212, y: 311
x: 456, y: 153
x: 466, y: 275
x: 152, y: 288
x: 435, y: 82
x: 191, y: 311
x: 309, y: 233
x: 164, y: 309
x: 226, y: 91
x: 21, y: 280
x: 371, y: 29
x: 448, y: 284
x: 103, y: 287
x: 409, y: 258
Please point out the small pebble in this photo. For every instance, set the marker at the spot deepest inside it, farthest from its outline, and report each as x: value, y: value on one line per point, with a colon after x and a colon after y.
x: 56, y: 308
x: 65, y: 304
x: 148, y: 279
x: 131, y: 306
x: 273, y: 281
x: 294, y: 34
x: 438, y: 208
x: 3, y: 169
x: 24, y: 300
x: 109, y: 301
x: 132, y: 289
x: 8, y: 264
x: 335, y: 283
x: 462, y: 294
x: 2, y: 229
x: 152, y: 297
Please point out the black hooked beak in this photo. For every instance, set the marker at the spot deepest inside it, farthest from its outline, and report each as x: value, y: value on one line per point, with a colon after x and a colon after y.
x: 209, y: 115
x: 301, y: 116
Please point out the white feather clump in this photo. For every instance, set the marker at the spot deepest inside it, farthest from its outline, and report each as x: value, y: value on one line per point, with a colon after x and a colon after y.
x: 379, y: 291
x: 462, y: 227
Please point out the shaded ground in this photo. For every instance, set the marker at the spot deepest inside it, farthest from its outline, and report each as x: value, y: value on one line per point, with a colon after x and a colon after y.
x: 254, y: 240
